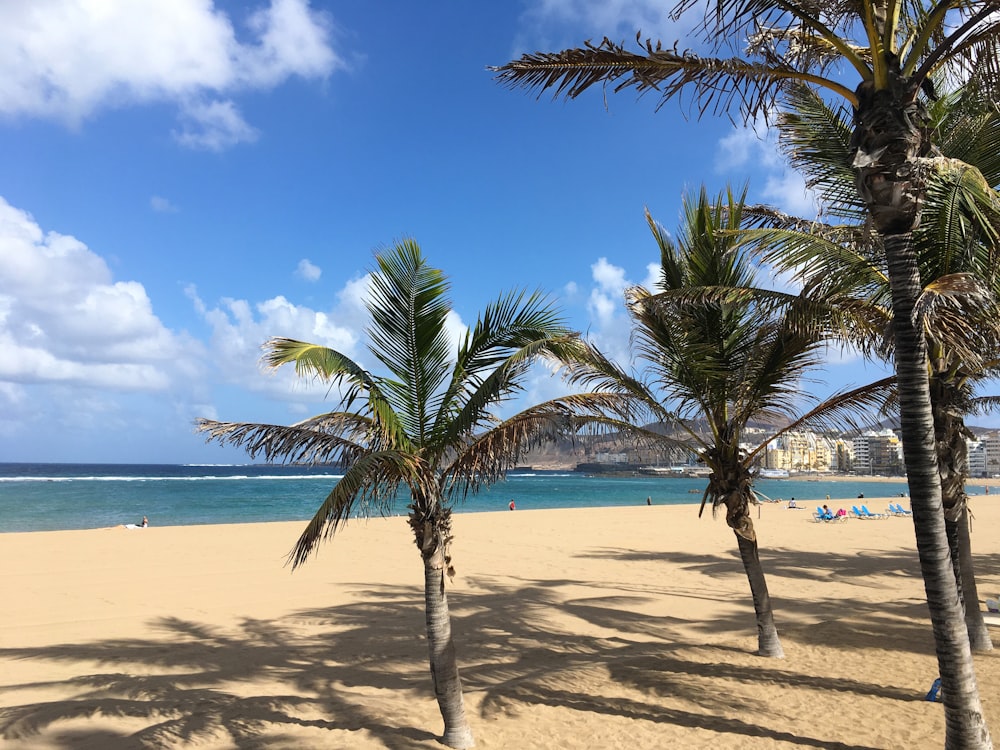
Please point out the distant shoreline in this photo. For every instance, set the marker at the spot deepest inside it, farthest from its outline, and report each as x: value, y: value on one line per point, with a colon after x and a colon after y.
x: 798, y: 477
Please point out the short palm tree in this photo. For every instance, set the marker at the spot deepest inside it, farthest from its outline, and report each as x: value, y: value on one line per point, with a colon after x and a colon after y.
x: 893, y: 49
x: 721, y: 352
x: 428, y: 425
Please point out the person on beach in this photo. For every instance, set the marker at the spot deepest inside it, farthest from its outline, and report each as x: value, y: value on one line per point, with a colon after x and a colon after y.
x: 649, y: 501
x: 512, y: 506
x: 827, y: 513
x: 792, y: 504
x: 141, y: 525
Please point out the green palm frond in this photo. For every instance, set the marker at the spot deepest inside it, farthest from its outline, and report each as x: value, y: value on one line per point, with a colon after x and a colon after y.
x: 960, y: 224
x: 373, y: 479
x: 295, y: 444
x: 509, y: 334
x: 474, y: 411
x: 487, y: 456
x: 320, y: 362
x: 335, y: 368
x: 409, y: 308
x: 816, y: 138
x: 967, y: 128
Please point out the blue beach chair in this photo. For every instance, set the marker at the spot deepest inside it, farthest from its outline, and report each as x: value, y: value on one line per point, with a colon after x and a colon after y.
x: 868, y: 514
x: 822, y: 515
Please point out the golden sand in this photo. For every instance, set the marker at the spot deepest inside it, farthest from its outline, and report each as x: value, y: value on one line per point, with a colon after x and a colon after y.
x: 607, y: 628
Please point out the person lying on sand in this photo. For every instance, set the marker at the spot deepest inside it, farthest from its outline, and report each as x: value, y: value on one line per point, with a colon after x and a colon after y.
x: 141, y: 525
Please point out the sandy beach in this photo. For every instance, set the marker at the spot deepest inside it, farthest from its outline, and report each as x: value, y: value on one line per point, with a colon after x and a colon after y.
x: 607, y: 628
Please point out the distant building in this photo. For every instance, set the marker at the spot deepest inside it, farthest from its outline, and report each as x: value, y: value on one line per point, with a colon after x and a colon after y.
x: 878, y: 453
x: 991, y: 447
x: 976, y: 456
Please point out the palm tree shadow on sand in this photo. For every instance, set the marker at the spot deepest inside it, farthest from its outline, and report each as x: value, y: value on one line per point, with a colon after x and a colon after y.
x: 264, y: 682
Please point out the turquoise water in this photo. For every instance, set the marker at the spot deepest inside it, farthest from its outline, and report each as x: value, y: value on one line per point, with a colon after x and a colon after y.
x: 45, y: 497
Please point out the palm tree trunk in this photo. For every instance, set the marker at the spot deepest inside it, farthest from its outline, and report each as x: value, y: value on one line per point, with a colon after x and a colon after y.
x: 444, y: 663
x: 964, y: 721
x: 950, y: 434
x: 979, y: 634
x: 431, y: 525
x: 768, y: 643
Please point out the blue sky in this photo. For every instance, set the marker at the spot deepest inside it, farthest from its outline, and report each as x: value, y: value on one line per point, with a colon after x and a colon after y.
x: 184, y: 178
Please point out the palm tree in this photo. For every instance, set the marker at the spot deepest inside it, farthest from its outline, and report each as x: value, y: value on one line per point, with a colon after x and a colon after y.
x: 959, y: 260
x: 894, y: 48
x: 722, y: 352
x: 428, y: 425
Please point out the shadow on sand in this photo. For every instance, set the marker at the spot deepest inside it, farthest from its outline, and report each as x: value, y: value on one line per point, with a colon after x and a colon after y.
x: 317, y: 667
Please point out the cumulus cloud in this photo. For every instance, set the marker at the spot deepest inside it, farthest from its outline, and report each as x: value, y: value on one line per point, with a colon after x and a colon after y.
x: 610, y: 325
x: 65, y: 60
x: 755, y: 146
x: 240, y: 328
x: 64, y: 319
x: 307, y: 271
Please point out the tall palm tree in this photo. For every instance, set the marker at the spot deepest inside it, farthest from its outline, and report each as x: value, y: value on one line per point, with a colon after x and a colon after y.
x: 428, y: 425
x: 720, y: 353
x: 893, y: 47
x: 958, y: 249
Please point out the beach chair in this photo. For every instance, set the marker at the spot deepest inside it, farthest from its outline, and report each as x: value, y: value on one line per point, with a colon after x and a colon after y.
x: 868, y: 514
x: 822, y: 515
x: 857, y: 513
x: 899, y: 510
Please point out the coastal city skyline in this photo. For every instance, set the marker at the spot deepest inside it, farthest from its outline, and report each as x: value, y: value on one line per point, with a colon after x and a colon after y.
x: 162, y: 215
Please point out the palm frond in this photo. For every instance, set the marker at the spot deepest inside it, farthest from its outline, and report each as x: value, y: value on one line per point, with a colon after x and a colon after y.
x: 277, y: 443
x: 483, y: 459
x: 320, y: 362
x: 409, y: 308
x: 336, y: 368
x: 816, y: 138
x: 984, y: 404
x: 717, y: 82
x: 855, y: 409
x: 372, y: 479
x: 509, y: 334
x: 961, y: 315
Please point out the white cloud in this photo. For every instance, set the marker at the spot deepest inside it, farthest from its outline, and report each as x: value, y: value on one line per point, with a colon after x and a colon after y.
x: 213, y: 126
x: 66, y: 59
x: 162, y: 205
x: 307, y: 271
x: 610, y: 325
x: 755, y: 147
x: 240, y: 328
x: 557, y: 23
x: 64, y: 319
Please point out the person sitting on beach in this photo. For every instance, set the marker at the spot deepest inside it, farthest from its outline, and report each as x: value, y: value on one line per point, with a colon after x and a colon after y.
x: 792, y: 505
x: 141, y: 525
x: 827, y: 514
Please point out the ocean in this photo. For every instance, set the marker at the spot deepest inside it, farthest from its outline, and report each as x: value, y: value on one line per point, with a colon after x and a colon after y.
x: 48, y: 497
